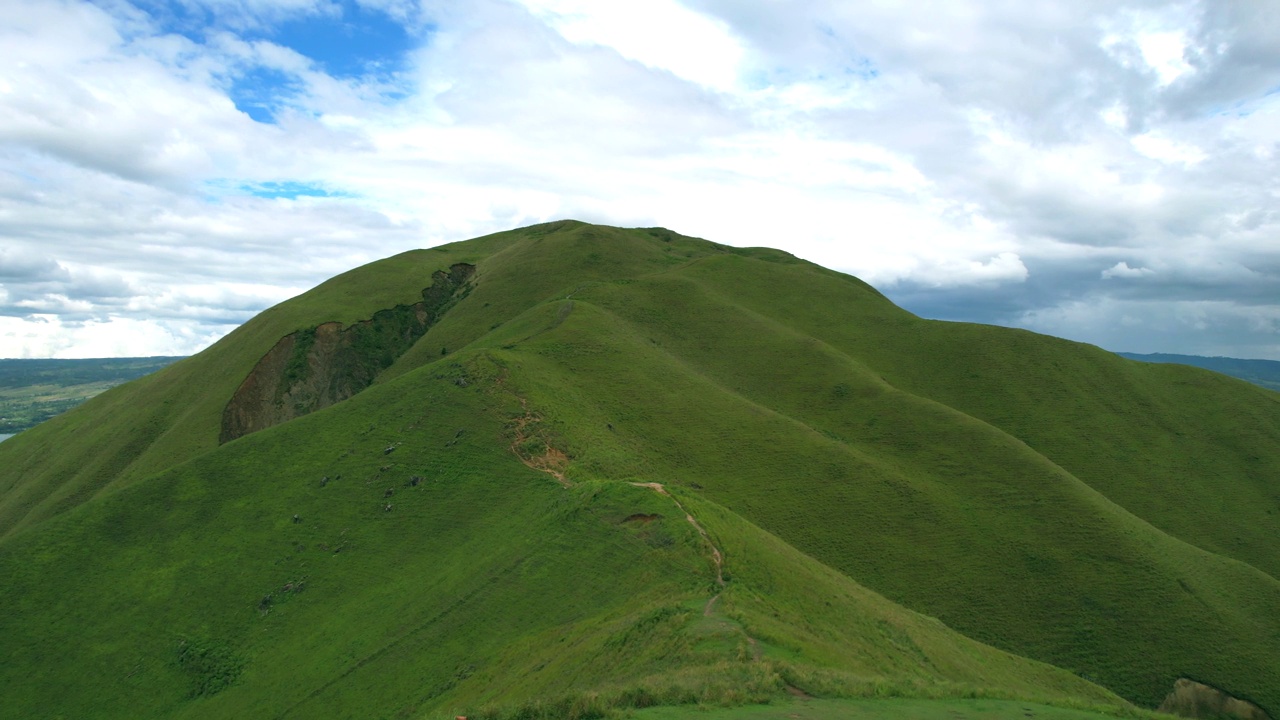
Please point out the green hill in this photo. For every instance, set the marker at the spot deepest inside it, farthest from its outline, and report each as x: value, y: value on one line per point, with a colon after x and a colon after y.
x: 426, y: 487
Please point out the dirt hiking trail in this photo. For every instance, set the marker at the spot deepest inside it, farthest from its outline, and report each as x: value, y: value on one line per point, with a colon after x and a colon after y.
x: 552, y: 460
x: 716, y: 557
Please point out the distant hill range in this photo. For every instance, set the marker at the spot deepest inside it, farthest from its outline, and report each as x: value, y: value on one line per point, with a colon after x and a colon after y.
x: 34, y: 390
x: 1259, y: 372
x: 569, y: 471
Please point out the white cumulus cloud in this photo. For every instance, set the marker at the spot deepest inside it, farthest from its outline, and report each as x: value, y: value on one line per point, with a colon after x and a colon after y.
x: 169, y: 168
x: 1122, y: 270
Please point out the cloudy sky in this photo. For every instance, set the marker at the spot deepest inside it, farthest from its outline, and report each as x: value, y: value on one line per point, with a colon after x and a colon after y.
x: 1106, y: 171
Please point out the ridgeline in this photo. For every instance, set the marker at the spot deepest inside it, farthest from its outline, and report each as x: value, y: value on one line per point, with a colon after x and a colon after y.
x: 570, y: 469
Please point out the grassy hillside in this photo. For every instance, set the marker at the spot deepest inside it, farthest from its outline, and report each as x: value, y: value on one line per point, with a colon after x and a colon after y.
x: 846, y: 459
x: 302, y: 572
x: 175, y: 414
x: 933, y: 507
x: 818, y: 709
x: 32, y: 391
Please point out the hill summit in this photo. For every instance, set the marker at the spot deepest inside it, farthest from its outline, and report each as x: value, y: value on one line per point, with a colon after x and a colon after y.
x: 566, y: 469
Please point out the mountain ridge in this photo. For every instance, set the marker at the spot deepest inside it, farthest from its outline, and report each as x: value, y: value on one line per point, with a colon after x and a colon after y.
x: 945, y: 468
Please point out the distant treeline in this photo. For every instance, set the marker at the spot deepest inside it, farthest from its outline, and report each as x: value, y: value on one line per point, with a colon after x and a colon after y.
x: 42, y: 371
x: 32, y: 391
x: 1259, y: 372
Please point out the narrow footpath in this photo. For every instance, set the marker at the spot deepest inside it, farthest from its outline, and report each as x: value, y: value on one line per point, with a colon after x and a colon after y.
x: 716, y: 557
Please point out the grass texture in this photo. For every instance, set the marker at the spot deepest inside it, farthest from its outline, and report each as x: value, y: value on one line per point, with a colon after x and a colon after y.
x: 901, y: 507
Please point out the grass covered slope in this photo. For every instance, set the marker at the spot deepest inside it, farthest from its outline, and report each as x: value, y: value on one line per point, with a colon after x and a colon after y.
x: 1112, y: 518
x: 814, y: 709
x: 303, y: 572
x: 176, y: 414
x: 932, y: 507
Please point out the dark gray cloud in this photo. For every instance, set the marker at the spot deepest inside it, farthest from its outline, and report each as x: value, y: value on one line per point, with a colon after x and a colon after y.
x: 1234, y: 52
x: 19, y: 265
x: 1093, y: 135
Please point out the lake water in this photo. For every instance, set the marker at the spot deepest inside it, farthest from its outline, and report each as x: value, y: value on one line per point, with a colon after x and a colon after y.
x: 4, y: 437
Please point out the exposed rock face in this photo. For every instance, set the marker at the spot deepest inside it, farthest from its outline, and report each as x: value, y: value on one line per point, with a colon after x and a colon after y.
x: 317, y: 367
x: 1197, y: 700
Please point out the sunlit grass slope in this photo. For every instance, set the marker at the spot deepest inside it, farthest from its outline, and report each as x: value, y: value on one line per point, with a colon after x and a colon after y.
x: 815, y: 709
x: 175, y: 414
x: 303, y: 572
x: 933, y: 507
x: 1115, y: 519
x: 133, y: 431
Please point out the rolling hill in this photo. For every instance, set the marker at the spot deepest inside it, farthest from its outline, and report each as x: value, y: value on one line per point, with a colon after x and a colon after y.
x: 569, y: 468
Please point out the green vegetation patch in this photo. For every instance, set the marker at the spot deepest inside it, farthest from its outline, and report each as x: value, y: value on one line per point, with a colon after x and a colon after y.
x: 212, y: 665
x: 855, y: 501
x: 858, y: 709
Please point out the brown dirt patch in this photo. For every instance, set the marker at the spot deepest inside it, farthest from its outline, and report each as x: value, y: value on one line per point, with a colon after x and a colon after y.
x: 550, y: 460
x: 711, y: 605
x: 1197, y: 700
x: 313, y: 368
x: 796, y: 692
x: 553, y: 461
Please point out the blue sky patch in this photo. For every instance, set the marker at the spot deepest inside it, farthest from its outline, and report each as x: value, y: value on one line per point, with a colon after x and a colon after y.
x: 216, y: 190
x: 261, y: 92
x: 291, y: 190
x: 360, y: 42
x: 353, y: 42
